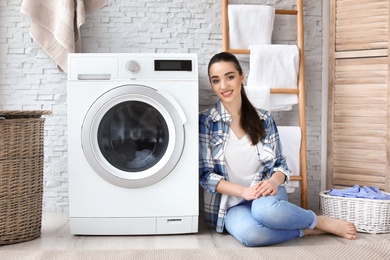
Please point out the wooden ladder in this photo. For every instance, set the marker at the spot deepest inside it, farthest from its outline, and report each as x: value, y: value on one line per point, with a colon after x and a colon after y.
x: 300, y: 90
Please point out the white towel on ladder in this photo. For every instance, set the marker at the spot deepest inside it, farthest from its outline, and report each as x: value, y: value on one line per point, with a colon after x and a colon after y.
x: 276, y: 66
x: 250, y: 25
x: 290, y: 137
x: 259, y: 96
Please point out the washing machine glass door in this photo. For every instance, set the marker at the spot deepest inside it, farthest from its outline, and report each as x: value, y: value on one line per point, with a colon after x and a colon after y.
x: 133, y: 135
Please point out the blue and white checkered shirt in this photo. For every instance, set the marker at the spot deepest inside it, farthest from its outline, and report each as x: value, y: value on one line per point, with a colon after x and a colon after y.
x: 214, y: 125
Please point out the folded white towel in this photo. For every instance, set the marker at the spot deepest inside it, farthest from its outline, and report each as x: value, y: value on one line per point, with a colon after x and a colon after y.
x: 55, y: 25
x: 275, y: 66
x: 290, y: 137
x: 259, y: 96
x: 250, y: 25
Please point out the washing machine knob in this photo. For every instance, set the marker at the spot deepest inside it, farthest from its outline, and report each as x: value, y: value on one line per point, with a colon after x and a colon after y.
x: 133, y: 66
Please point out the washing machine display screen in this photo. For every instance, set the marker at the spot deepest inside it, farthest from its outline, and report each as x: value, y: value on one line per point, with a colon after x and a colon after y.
x: 133, y: 136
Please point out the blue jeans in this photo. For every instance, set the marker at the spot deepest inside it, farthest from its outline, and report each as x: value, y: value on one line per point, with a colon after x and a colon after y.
x: 268, y: 220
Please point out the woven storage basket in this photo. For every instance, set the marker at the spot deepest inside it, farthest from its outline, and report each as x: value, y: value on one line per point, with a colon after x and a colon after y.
x: 368, y: 215
x: 21, y: 175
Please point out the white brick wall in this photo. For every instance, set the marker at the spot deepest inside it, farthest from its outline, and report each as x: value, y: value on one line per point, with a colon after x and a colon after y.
x: 29, y: 79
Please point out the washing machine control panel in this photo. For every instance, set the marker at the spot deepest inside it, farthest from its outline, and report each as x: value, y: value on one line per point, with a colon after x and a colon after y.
x: 141, y: 66
x: 164, y: 67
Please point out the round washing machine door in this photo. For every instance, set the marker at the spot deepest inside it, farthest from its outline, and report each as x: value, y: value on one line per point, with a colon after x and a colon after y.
x: 133, y: 135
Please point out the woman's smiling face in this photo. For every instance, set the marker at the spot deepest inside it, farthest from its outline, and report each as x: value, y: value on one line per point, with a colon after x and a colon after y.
x: 226, y: 81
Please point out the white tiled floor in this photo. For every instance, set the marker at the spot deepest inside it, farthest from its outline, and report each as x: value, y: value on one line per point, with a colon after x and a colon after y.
x: 56, y: 235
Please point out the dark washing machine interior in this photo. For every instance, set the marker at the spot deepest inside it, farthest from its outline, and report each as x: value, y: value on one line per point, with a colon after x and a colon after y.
x: 133, y: 136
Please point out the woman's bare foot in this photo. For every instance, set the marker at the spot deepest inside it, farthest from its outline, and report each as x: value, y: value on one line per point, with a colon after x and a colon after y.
x: 338, y: 227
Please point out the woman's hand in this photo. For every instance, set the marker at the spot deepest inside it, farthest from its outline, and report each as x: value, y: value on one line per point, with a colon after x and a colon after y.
x: 266, y: 188
x: 263, y: 188
x: 249, y: 193
x: 270, y: 186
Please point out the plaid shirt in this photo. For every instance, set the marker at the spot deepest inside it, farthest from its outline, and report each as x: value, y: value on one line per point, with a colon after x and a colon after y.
x: 214, y: 124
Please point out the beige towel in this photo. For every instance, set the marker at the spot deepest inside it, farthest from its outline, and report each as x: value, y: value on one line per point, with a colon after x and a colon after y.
x: 55, y: 25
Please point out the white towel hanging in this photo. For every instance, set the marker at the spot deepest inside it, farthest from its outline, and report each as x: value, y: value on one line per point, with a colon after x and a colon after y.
x: 276, y: 66
x: 250, y: 25
x: 290, y: 137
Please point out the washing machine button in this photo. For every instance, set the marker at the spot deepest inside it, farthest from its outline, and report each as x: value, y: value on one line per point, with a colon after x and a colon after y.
x: 133, y: 66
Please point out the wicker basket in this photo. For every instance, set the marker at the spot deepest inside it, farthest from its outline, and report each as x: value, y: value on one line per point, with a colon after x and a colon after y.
x: 368, y: 215
x: 21, y: 175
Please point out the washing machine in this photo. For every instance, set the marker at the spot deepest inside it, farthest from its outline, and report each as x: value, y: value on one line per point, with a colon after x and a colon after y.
x: 133, y: 143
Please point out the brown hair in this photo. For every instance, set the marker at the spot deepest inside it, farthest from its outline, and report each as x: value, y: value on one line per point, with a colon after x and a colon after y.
x: 250, y: 120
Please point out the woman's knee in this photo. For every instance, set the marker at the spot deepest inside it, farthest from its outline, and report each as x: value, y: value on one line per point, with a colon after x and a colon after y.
x: 266, y: 209
x: 271, y: 202
x: 268, y: 203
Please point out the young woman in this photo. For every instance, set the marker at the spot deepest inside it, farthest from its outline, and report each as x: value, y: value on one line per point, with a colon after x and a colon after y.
x: 243, y: 171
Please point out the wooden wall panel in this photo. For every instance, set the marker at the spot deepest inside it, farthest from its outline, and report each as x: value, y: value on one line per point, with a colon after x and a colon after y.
x: 359, y: 99
x: 359, y: 150
x: 361, y: 24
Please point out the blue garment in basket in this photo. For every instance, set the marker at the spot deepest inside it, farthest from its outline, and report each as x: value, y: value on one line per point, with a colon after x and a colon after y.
x: 363, y: 192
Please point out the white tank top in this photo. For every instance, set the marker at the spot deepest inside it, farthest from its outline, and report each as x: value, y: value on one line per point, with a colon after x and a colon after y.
x: 242, y: 163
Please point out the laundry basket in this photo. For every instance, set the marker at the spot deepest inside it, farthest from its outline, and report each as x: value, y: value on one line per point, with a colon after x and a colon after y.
x: 21, y: 175
x: 368, y: 215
